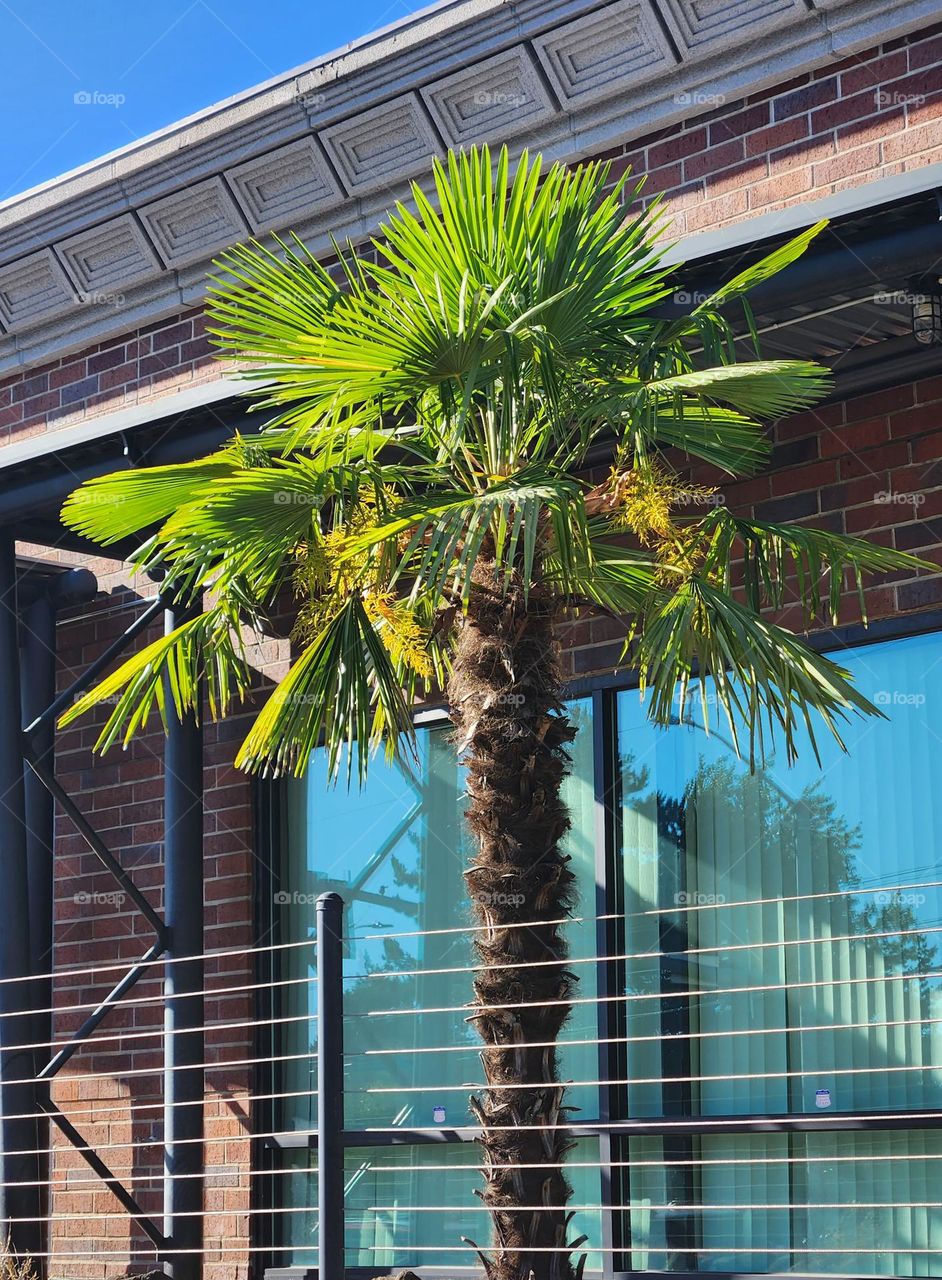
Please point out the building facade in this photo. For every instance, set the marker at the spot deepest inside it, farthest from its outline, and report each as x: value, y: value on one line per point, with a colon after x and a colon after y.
x: 758, y: 1016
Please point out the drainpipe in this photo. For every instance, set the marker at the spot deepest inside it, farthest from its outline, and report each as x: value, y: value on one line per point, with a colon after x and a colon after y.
x: 38, y: 668
x: 183, y: 1017
x: 19, y: 1166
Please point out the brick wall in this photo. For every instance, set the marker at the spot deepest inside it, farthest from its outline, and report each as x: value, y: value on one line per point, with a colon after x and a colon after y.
x: 137, y: 368
x: 871, y: 116
x: 870, y: 465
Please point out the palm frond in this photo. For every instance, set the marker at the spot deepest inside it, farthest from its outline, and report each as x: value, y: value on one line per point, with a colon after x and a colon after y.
x: 205, y: 649
x: 728, y: 440
x: 767, y: 683
x: 618, y: 579
x: 786, y: 563
x: 115, y: 506
x: 436, y: 539
x: 767, y: 267
x: 765, y: 389
x: 344, y: 690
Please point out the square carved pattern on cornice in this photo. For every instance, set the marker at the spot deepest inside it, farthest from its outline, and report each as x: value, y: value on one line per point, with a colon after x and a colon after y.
x: 330, y: 148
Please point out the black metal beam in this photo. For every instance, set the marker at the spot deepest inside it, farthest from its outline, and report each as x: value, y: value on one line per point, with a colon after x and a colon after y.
x: 19, y: 1165
x: 851, y: 269
x: 94, y: 1020
x: 92, y: 838
x: 95, y: 1162
x: 183, y: 989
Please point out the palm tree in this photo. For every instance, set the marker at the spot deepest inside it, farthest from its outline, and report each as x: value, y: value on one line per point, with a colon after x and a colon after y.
x: 422, y: 494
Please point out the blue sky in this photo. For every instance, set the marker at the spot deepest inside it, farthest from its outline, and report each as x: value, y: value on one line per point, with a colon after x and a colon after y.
x: 146, y: 63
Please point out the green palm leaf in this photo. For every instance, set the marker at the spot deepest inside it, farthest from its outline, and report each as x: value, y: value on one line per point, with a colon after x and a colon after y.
x: 787, y: 563
x: 764, y: 679
x: 435, y: 401
x: 344, y: 687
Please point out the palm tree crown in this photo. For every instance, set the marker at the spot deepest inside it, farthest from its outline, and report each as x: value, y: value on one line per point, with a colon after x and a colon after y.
x: 424, y: 493
x: 441, y: 399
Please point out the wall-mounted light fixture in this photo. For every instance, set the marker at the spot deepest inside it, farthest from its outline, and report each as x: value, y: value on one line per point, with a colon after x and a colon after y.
x: 927, y: 312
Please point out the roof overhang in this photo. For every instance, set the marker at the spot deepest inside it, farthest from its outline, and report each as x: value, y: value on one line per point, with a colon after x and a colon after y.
x: 128, y: 239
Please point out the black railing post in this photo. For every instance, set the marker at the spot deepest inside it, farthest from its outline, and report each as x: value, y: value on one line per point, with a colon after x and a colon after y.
x: 330, y: 1117
x: 19, y: 1166
x: 183, y: 987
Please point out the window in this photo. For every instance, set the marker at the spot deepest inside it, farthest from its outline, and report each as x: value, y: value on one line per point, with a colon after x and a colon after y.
x: 396, y: 852
x: 783, y: 928
x: 773, y: 972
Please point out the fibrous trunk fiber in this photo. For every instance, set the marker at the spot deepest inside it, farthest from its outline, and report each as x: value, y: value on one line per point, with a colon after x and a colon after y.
x: 512, y: 731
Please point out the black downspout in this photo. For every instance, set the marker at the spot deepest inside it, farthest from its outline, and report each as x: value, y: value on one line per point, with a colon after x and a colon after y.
x: 38, y: 669
x: 39, y: 688
x: 19, y: 1167
x: 183, y: 1017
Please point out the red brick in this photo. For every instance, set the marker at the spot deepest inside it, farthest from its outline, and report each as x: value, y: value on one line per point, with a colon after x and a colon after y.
x: 675, y: 148
x: 781, y: 186
x: 847, y: 164
x: 805, y: 99
x: 927, y: 53
x: 912, y: 421
x: 928, y: 448
x: 925, y: 137
x: 873, y: 403
x: 841, y: 110
x: 715, y: 159
x: 106, y: 359
x: 118, y: 376
x: 929, y: 389
x: 173, y: 336
x: 855, y: 437
x: 800, y: 479
x: 746, y: 121
x: 712, y: 213
x: 31, y: 386
x: 777, y: 135
x: 873, y: 461
x: 875, y: 74
x: 73, y: 372
x: 738, y: 178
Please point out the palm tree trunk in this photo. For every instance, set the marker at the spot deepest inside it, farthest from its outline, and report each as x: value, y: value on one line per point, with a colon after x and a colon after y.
x: 512, y: 731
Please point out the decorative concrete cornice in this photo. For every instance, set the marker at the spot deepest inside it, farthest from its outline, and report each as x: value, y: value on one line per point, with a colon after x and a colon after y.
x: 327, y: 148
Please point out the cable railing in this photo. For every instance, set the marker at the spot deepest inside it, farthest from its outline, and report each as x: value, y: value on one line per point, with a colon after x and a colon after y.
x: 686, y: 908
x: 302, y: 1130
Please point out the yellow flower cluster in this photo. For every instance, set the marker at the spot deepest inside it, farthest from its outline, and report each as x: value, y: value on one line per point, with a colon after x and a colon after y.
x: 325, y: 574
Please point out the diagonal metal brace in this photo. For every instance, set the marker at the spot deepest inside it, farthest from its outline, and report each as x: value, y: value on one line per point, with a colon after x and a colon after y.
x: 98, y: 1015
x: 85, y: 680
x: 117, y: 1188
x: 47, y: 777
x: 94, y: 841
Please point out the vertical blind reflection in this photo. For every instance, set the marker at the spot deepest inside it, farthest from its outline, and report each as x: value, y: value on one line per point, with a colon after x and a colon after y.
x: 792, y: 951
